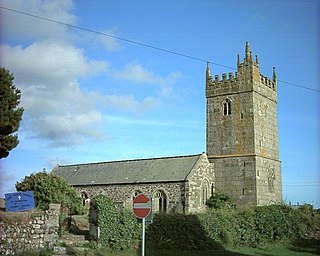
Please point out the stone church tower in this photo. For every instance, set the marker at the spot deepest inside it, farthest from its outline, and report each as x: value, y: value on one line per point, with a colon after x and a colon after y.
x: 242, y: 133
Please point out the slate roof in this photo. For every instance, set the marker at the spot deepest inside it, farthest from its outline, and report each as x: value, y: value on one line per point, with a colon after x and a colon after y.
x: 167, y: 169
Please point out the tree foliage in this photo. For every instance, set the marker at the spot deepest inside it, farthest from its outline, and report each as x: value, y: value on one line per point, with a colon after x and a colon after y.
x: 10, y: 114
x: 48, y: 189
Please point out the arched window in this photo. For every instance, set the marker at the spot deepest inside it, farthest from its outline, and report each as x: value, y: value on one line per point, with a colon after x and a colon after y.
x: 205, y: 194
x: 135, y: 193
x: 212, y: 189
x: 159, y: 201
x: 85, y: 198
x: 227, y: 107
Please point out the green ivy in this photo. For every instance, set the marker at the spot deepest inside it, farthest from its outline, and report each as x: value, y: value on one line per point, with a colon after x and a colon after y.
x: 118, y: 229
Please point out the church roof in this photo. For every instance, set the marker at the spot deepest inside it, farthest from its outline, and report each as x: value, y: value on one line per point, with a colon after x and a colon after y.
x: 166, y: 169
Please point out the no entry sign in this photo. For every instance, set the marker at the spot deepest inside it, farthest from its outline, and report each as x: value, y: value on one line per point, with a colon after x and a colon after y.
x: 142, y: 206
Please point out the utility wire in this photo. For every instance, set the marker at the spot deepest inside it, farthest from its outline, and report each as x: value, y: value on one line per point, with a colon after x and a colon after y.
x: 138, y: 43
x: 299, y: 86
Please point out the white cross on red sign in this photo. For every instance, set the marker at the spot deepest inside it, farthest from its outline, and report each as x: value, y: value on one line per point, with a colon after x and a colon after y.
x: 142, y: 206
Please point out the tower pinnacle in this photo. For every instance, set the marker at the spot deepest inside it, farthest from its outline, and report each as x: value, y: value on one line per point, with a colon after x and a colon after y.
x: 274, y: 75
x: 248, y: 52
x: 208, y: 72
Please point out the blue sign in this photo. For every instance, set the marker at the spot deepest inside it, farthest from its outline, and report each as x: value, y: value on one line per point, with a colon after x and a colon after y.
x: 19, y: 201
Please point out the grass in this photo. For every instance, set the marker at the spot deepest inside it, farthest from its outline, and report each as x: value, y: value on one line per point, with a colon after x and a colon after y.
x: 309, y: 247
x: 289, y: 249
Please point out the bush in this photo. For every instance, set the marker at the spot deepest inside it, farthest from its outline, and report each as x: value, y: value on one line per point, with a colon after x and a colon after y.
x: 308, y: 219
x: 48, y: 189
x: 118, y: 229
x: 276, y: 222
x: 220, y: 227
x: 257, y: 226
x: 220, y: 200
x: 178, y: 231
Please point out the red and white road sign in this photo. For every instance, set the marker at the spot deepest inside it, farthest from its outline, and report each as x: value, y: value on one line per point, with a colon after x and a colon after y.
x: 142, y: 206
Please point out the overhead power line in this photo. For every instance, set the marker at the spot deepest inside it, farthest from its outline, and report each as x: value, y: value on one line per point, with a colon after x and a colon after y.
x: 139, y: 43
x: 299, y: 86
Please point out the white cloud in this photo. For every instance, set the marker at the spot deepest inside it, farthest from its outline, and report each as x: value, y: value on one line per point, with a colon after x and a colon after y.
x: 20, y: 25
x: 48, y: 72
x: 136, y: 73
x: 68, y: 129
x: 57, y: 110
x: 5, y: 179
x: 128, y: 102
x: 109, y: 42
x: 49, y: 61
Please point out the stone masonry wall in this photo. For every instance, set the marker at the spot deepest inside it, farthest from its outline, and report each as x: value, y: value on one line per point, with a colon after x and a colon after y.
x: 123, y: 194
x: 201, y: 185
x: 184, y: 196
x: 242, y: 133
x: 28, y: 230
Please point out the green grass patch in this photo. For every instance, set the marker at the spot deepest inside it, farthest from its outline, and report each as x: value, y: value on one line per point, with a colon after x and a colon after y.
x: 307, y: 247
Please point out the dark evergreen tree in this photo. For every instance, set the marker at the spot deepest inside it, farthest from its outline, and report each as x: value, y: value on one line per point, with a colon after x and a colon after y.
x: 10, y: 114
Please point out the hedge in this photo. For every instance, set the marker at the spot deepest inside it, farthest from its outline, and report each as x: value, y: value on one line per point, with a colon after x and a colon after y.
x: 220, y: 227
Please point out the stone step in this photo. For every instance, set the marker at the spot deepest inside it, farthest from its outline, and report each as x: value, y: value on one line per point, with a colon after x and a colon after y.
x: 60, y: 250
x: 68, y: 250
x: 70, y: 244
x: 71, y: 239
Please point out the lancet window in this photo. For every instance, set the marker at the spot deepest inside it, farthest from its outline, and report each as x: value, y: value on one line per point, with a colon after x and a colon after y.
x: 227, y: 107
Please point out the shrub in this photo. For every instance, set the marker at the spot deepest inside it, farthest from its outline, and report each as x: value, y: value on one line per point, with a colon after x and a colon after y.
x: 118, y: 229
x: 219, y: 227
x: 258, y: 226
x: 308, y: 219
x: 219, y: 200
x: 178, y: 231
x: 48, y: 189
x: 276, y: 222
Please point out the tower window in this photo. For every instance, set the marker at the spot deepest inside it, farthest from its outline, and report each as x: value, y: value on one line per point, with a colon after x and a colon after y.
x: 227, y: 107
x: 271, y: 178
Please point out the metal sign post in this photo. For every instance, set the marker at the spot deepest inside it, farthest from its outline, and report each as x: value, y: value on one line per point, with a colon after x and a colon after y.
x: 143, y: 236
x: 142, y: 208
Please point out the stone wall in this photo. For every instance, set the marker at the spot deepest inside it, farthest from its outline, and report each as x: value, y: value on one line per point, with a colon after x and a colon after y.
x: 33, y: 230
x: 123, y: 194
x: 185, y: 196
x: 242, y: 133
x: 201, y: 185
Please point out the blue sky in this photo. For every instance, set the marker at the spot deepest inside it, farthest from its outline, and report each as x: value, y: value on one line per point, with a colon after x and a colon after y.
x: 90, y: 98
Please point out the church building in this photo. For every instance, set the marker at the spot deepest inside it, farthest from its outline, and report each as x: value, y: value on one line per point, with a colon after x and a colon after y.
x: 241, y: 159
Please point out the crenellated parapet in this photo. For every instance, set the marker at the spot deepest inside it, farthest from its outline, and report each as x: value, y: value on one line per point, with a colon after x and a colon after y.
x: 272, y: 84
x: 246, y: 78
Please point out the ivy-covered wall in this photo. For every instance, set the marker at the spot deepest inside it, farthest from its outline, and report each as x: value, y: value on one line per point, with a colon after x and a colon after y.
x: 111, y: 227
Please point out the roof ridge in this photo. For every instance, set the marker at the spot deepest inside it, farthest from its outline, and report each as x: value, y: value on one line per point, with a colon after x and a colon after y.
x: 131, y: 160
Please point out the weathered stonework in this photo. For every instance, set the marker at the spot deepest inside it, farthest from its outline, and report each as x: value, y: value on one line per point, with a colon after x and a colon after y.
x: 242, y: 133
x: 242, y: 153
x: 37, y: 232
x: 189, y: 195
